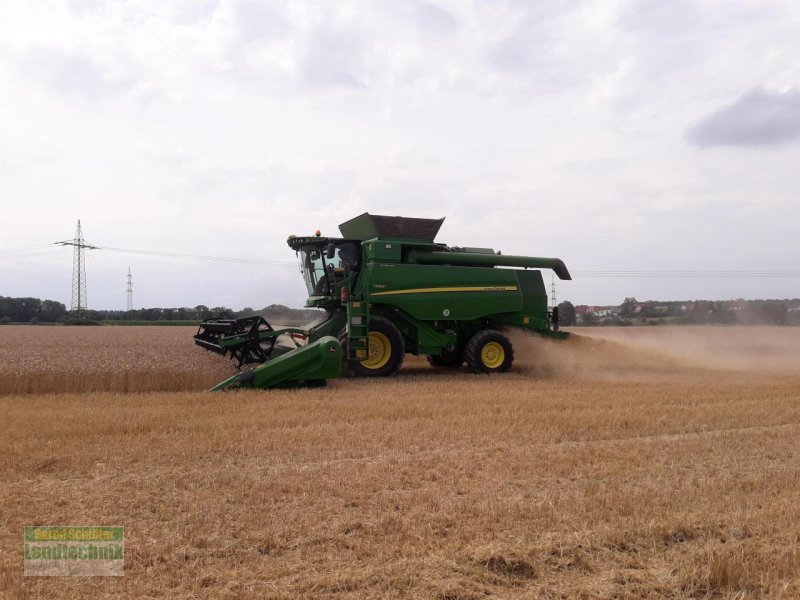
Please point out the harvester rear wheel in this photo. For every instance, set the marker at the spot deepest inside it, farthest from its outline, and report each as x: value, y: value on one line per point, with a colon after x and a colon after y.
x: 386, y: 351
x: 489, y: 352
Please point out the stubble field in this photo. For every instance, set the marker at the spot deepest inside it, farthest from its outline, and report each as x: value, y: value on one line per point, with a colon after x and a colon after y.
x: 628, y: 463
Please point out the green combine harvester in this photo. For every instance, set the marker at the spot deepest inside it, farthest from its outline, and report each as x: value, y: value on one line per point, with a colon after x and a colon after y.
x: 388, y: 289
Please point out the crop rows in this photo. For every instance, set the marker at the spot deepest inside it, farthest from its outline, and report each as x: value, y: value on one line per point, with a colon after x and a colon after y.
x: 86, y: 359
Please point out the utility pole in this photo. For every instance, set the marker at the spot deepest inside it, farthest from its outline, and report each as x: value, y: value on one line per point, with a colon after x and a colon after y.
x: 78, y: 307
x: 130, y: 290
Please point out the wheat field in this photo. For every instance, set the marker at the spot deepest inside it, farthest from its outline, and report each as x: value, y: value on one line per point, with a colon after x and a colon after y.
x: 624, y: 463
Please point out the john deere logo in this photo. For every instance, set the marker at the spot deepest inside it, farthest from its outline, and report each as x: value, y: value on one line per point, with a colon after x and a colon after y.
x: 446, y: 312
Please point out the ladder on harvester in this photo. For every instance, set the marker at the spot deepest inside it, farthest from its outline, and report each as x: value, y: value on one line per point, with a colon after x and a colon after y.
x: 357, y: 329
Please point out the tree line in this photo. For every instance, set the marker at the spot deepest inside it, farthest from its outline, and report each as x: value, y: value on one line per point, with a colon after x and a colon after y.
x: 630, y: 312
x: 34, y: 310
x: 688, y: 312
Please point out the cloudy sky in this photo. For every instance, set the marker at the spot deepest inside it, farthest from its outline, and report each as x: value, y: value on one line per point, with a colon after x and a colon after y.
x: 618, y: 136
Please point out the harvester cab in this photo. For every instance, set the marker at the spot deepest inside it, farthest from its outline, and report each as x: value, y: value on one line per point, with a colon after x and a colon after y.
x: 387, y: 289
x: 326, y: 264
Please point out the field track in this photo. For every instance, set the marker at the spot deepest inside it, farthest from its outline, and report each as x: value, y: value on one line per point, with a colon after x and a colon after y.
x: 637, y: 462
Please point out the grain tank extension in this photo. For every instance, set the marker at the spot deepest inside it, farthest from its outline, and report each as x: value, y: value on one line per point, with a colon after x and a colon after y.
x: 388, y: 290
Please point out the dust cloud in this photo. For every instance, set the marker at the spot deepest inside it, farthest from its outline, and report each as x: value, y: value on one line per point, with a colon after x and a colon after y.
x: 647, y: 353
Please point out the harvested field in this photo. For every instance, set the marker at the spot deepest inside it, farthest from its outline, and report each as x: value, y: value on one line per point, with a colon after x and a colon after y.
x: 639, y: 462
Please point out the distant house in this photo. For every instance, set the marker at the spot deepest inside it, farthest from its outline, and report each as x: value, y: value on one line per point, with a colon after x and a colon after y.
x: 597, y: 311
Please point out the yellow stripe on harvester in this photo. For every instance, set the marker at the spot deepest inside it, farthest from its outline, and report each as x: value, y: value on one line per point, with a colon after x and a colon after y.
x: 482, y: 288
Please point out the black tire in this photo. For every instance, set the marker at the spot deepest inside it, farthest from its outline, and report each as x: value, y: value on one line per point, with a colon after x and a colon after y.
x: 489, y: 352
x: 396, y: 348
x: 446, y: 360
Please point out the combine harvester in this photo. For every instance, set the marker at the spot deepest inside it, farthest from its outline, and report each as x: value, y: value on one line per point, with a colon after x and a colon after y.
x: 388, y: 289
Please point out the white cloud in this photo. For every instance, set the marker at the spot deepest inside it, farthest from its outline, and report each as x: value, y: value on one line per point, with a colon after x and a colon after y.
x: 334, y: 58
x: 67, y: 73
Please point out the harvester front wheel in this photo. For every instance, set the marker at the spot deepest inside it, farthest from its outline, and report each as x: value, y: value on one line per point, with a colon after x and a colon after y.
x: 489, y: 352
x: 386, y: 351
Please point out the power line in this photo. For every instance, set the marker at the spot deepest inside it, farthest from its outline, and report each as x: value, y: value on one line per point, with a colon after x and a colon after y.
x: 645, y: 235
x: 249, y: 261
x: 26, y: 251
x: 47, y: 249
x: 791, y: 273
x: 32, y: 254
x: 38, y: 250
x: 24, y: 248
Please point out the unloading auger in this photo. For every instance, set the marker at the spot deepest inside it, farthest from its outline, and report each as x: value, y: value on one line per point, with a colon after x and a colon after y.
x: 387, y: 289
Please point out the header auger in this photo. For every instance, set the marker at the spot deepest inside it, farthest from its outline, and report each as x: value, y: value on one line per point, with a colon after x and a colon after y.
x: 388, y: 289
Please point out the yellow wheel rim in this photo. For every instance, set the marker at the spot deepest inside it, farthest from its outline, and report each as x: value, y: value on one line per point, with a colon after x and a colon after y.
x: 493, y: 355
x: 380, y: 351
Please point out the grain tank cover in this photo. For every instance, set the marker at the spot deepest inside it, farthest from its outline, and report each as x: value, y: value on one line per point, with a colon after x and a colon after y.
x: 367, y: 227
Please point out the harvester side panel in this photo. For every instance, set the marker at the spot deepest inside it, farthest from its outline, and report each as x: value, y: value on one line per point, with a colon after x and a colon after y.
x: 421, y: 337
x: 431, y: 293
x: 534, y: 295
